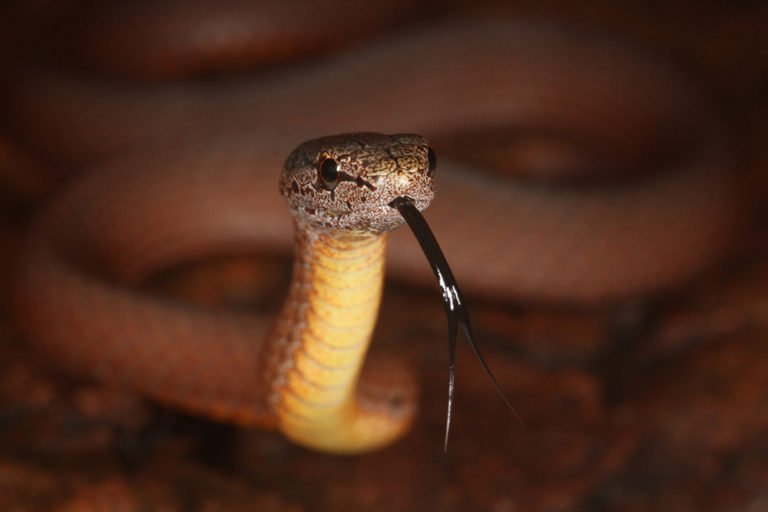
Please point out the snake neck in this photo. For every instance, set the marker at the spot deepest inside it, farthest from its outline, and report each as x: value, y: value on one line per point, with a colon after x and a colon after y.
x: 322, y: 335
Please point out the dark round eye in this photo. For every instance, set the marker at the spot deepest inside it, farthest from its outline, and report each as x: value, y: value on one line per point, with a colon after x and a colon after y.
x: 328, y: 171
x: 432, y: 158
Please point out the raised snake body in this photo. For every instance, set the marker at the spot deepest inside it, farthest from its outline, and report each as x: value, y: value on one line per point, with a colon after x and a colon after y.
x: 302, y: 376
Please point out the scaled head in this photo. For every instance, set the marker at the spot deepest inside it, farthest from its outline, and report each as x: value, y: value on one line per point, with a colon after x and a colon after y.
x: 348, y: 181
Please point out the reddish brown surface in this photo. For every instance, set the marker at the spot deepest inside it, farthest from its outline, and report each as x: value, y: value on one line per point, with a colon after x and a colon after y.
x: 656, y: 405
x: 668, y: 433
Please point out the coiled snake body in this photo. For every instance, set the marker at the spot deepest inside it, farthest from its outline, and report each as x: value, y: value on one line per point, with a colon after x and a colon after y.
x: 667, y: 211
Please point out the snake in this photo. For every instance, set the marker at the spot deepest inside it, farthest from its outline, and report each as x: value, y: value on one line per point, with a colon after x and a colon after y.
x: 301, y: 374
x: 161, y: 159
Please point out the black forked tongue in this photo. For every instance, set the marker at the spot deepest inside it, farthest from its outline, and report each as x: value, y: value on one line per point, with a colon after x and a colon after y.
x: 455, y: 307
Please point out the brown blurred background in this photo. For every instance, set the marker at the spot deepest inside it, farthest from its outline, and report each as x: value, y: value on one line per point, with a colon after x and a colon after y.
x: 641, y: 388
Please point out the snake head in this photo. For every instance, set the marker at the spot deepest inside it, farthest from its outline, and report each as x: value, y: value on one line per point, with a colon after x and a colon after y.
x: 348, y: 182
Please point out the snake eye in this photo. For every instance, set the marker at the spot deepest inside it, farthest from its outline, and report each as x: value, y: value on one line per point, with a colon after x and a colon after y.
x: 432, y: 159
x: 328, y: 171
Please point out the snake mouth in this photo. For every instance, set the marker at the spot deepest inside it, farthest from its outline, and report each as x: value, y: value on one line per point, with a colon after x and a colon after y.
x: 453, y: 301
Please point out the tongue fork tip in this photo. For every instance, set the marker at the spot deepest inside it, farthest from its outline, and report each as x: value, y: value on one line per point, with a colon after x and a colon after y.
x: 453, y: 302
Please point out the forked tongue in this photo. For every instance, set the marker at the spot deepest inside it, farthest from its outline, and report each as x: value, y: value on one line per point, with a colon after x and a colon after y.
x: 455, y: 307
